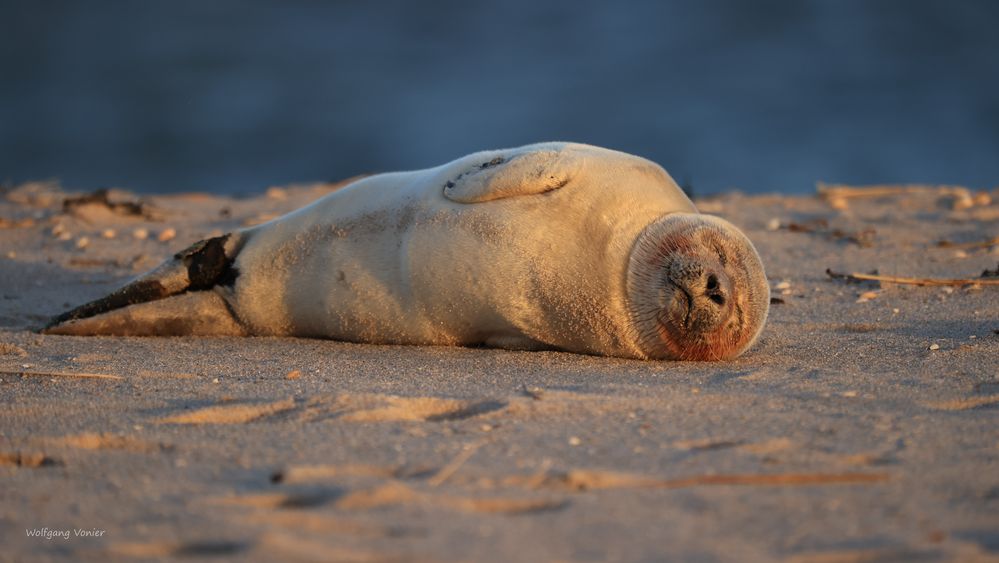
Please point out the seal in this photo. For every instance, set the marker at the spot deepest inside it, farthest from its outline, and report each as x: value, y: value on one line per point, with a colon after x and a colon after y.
x: 548, y: 246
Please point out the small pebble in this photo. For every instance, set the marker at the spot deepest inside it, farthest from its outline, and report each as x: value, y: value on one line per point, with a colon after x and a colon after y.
x: 896, y: 311
x: 7, y: 349
x: 773, y: 224
x: 82, y: 242
x: 58, y: 229
x: 109, y: 233
x: 293, y: 374
x: 960, y: 254
x: 65, y: 235
x: 140, y: 234
x: 216, y: 380
x: 783, y: 285
x: 168, y: 234
x: 575, y: 441
x: 934, y: 346
x: 963, y: 201
x: 485, y: 428
x: 849, y: 394
x: 11, y: 254
x: 867, y: 296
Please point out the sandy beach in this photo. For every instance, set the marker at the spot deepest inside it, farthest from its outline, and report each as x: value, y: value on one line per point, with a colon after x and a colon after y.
x: 863, y: 426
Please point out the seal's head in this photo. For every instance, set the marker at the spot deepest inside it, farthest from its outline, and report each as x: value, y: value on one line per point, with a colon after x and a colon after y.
x: 696, y: 289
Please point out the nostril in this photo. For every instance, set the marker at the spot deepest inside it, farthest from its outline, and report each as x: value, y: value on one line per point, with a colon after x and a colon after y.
x: 712, y: 282
x: 714, y: 291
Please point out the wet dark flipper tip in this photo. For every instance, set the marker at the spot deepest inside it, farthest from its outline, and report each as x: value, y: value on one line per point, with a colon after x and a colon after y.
x: 140, y: 291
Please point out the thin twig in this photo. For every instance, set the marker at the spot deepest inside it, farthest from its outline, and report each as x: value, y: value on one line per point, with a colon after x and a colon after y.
x: 536, y: 480
x: 776, y: 479
x: 965, y: 403
x: 838, y: 196
x: 913, y: 281
x: 833, y: 191
x: 583, y: 480
x: 977, y: 244
x: 16, y: 223
x: 60, y: 374
x: 454, y: 465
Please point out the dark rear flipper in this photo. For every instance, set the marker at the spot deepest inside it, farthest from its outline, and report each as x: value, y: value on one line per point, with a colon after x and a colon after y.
x: 181, y: 296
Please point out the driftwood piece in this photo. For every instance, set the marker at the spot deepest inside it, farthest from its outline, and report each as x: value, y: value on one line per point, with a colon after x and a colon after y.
x: 959, y: 282
x: 838, y: 195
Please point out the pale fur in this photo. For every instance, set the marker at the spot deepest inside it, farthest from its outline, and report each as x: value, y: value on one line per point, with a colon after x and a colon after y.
x: 390, y: 259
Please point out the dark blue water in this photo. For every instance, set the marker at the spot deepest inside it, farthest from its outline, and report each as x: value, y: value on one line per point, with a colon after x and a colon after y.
x: 758, y: 95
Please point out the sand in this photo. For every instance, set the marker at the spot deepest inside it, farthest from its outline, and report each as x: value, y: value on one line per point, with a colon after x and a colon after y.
x: 864, y: 426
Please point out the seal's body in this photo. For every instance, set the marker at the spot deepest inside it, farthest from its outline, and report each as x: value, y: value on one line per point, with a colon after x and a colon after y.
x: 554, y: 245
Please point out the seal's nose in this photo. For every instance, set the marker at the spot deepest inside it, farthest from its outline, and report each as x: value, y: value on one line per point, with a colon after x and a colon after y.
x: 714, y: 291
x: 706, y: 299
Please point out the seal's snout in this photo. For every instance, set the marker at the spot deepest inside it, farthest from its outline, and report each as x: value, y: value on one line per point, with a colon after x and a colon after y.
x: 714, y: 291
x: 703, y: 301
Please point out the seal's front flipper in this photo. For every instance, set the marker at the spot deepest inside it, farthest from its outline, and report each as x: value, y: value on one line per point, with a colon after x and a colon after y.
x: 539, y: 170
x: 178, y: 297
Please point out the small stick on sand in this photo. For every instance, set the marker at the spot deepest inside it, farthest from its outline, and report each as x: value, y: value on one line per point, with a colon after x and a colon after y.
x: 967, y: 403
x: 584, y: 480
x: 16, y: 223
x: 838, y: 196
x: 454, y: 465
x: 778, y: 479
x: 912, y: 281
x: 962, y: 245
x: 835, y: 191
x: 61, y: 374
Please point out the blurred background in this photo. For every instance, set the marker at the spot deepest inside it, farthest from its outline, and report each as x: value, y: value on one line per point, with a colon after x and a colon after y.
x: 761, y: 96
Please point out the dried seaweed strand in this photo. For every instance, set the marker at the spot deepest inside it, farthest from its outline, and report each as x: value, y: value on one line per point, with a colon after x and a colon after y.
x: 582, y: 480
x: 926, y: 281
x: 16, y: 223
x: 977, y: 244
x: 913, y: 281
x: 60, y: 374
x: 776, y: 479
x: 454, y: 465
x: 833, y: 191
